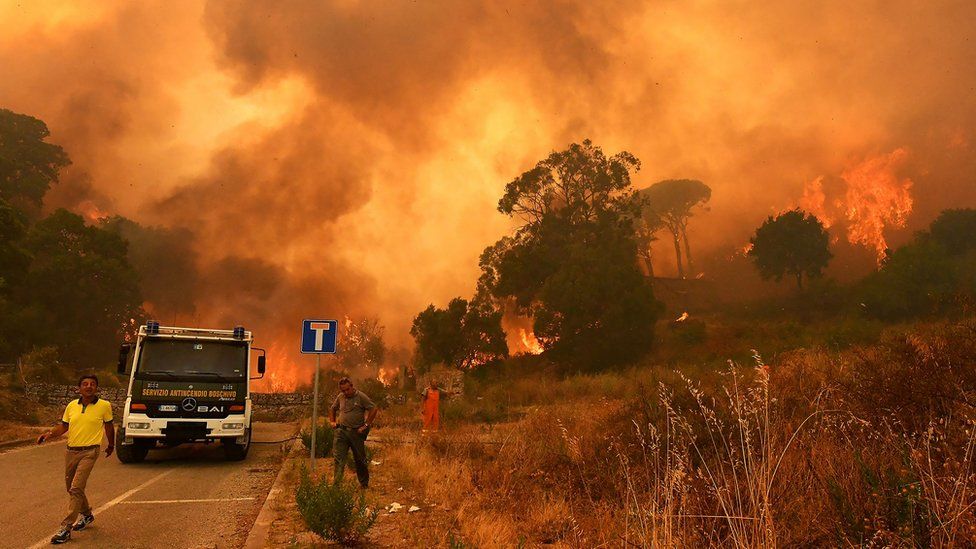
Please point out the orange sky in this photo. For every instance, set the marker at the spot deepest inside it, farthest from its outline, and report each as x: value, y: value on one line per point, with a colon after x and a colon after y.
x: 346, y: 157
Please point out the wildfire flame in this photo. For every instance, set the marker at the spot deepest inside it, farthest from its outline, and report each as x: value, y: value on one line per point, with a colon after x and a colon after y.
x: 283, y: 374
x: 386, y: 376
x: 519, y: 335
x: 875, y: 197
x: 683, y: 317
x: 91, y: 212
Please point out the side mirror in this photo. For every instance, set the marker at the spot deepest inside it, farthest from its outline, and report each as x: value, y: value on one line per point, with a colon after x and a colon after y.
x: 124, y: 356
x: 261, y: 361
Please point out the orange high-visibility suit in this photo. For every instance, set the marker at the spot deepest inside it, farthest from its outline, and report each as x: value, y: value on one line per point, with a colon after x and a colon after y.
x: 432, y: 409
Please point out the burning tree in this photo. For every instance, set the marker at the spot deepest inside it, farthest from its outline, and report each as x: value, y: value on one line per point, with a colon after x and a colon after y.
x: 462, y: 336
x: 669, y: 204
x: 793, y: 243
x: 572, y: 264
x: 362, y: 345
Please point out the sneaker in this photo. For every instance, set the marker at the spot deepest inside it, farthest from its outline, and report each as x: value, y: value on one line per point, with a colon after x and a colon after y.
x: 61, y: 537
x: 83, y: 522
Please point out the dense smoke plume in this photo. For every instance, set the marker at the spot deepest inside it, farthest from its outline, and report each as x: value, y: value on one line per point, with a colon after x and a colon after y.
x: 345, y: 158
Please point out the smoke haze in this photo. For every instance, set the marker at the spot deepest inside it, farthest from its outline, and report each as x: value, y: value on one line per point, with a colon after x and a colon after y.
x: 345, y: 158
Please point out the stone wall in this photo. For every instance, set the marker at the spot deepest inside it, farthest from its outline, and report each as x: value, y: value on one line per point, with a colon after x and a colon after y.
x: 46, y: 393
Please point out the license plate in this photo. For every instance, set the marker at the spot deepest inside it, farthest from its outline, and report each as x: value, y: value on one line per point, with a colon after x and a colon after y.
x: 167, y: 407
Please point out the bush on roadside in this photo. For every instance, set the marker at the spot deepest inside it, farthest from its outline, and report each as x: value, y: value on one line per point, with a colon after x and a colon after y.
x: 323, y: 440
x: 337, y: 512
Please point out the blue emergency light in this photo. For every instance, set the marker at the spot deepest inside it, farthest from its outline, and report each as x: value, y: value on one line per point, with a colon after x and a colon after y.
x: 152, y: 327
x: 238, y: 332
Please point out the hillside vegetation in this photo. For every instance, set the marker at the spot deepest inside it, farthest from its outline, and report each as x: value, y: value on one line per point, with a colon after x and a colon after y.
x: 870, y: 444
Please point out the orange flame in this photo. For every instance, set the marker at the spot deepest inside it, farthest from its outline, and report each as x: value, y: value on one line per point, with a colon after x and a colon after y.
x: 387, y: 376
x: 284, y: 374
x: 875, y: 198
x: 91, y: 212
x: 519, y: 335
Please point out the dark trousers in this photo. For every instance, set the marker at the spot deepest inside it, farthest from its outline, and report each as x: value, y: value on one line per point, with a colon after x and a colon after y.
x: 348, y: 439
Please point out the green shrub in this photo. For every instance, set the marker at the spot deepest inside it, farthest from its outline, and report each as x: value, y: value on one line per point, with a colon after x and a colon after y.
x: 323, y: 440
x: 690, y: 332
x: 335, y: 512
x: 376, y: 391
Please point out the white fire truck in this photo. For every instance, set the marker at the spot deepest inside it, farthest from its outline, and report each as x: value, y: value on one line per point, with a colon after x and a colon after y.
x: 187, y: 385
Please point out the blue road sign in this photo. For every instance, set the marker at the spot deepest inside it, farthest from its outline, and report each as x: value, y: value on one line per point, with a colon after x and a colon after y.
x: 319, y: 336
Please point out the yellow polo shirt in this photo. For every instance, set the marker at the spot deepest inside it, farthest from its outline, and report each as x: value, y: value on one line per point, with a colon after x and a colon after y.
x: 86, y: 424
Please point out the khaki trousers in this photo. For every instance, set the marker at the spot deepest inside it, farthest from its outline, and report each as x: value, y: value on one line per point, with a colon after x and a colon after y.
x: 77, y: 466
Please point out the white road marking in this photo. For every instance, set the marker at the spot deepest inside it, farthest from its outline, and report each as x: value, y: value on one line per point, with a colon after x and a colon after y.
x: 46, y: 541
x: 188, y: 500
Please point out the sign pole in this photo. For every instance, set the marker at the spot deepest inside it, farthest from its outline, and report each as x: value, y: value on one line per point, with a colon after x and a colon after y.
x: 315, y: 408
x: 318, y: 338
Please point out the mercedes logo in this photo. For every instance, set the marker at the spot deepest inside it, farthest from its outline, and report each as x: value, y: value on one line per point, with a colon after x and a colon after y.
x: 189, y: 404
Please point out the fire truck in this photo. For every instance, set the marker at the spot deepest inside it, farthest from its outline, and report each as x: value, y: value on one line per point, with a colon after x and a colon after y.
x: 187, y: 385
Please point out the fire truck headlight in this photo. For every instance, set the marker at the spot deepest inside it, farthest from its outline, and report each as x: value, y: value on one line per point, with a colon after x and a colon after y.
x: 135, y: 425
x: 232, y: 426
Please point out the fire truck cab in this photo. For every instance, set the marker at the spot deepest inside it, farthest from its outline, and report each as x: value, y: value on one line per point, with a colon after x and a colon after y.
x: 187, y: 385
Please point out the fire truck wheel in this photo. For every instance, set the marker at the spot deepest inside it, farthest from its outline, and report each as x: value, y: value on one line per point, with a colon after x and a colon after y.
x: 132, y: 453
x: 234, y: 451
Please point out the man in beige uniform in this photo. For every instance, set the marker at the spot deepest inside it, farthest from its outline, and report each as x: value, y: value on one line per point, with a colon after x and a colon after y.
x: 85, y: 420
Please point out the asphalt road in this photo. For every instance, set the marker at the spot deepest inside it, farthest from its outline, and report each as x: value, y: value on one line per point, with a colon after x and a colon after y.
x: 182, y: 497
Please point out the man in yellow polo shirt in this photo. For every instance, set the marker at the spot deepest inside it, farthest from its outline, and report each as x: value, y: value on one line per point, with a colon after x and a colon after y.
x: 85, y: 420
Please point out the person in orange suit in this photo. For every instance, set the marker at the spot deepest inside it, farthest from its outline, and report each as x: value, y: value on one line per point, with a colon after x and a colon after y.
x: 430, y: 406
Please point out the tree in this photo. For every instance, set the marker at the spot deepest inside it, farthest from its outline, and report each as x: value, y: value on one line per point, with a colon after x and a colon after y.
x: 669, y: 204
x: 646, y: 226
x: 165, y: 258
x: 462, y: 336
x: 572, y: 264
x: 14, y: 259
x: 362, y: 344
x: 80, y: 292
x: 955, y: 230
x: 28, y: 165
x: 793, y: 243
x: 914, y: 280
x: 576, y: 185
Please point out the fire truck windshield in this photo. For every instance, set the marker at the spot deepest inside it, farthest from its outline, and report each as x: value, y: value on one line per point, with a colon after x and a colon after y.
x: 181, y: 358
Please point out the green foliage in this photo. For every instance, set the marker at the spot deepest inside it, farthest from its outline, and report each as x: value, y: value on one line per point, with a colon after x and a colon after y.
x: 14, y: 259
x: 595, y: 309
x: 81, y: 290
x: 324, y: 439
x: 362, y: 344
x: 934, y: 274
x: 917, y: 279
x: 955, y: 230
x: 690, y: 332
x: 28, y: 165
x: 375, y: 390
x: 668, y: 204
x: 578, y: 185
x: 164, y: 258
x: 42, y: 364
x: 462, y: 335
x: 572, y: 264
x: 792, y: 243
x: 336, y: 512
x: 894, y: 501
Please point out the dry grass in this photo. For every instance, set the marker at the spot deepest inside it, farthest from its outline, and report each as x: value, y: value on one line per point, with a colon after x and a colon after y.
x: 12, y: 430
x: 871, y: 446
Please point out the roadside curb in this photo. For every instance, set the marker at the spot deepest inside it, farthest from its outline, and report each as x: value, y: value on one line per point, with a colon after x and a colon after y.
x: 257, y: 538
x: 16, y: 443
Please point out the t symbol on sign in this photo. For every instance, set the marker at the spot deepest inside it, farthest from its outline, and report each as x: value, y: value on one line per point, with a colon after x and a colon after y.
x: 320, y: 328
